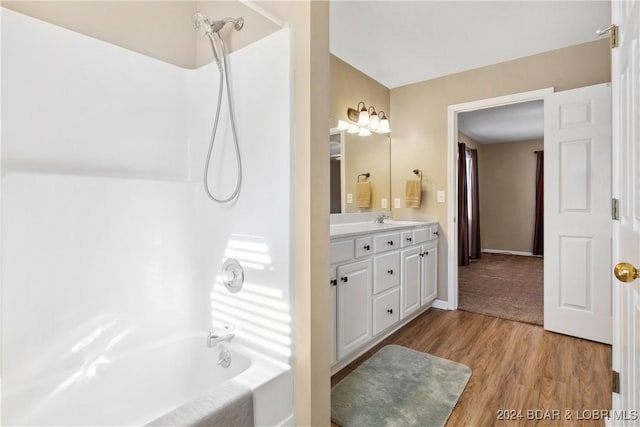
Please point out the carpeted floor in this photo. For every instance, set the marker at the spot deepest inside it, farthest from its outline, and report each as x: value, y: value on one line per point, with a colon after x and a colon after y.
x: 505, y: 286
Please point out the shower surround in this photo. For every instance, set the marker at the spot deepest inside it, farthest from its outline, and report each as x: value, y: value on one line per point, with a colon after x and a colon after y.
x: 111, y: 251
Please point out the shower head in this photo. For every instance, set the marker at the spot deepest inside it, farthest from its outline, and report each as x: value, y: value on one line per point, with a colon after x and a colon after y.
x: 204, y: 26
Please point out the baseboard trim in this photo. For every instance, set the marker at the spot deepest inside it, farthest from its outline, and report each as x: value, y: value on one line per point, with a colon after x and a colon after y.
x: 442, y: 305
x: 506, y: 252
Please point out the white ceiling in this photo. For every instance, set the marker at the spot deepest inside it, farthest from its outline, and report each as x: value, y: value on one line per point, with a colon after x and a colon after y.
x: 516, y: 122
x: 403, y: 42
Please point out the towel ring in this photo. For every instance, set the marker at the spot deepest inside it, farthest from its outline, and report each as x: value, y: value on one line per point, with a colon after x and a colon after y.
x: 418, y: 172
x: 365, y: 175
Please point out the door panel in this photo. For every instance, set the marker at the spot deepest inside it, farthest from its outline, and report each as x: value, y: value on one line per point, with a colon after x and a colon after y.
x: 626, y: 187
x: 577, y: 156
x: 410, y: 289
x: 354, y: 306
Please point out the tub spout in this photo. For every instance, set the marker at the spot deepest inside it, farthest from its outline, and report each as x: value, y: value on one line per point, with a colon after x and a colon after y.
x: 216, y: 337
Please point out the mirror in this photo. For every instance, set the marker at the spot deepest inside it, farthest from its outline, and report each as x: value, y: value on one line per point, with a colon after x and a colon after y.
x: 351, y: 158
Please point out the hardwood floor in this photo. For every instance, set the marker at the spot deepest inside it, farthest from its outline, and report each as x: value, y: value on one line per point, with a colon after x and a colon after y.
x: 516, y: 366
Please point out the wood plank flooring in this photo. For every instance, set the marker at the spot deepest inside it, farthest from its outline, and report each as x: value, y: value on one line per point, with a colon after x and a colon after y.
x: 516, y: 366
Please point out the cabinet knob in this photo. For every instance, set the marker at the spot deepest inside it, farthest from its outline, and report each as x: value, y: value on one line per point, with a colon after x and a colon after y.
x: 409, y: 239
x: 435, y: 232
x: 421, y: 254
x: 390, y: 310
x: 390, y: 271
x: 334, y: 282
x: 366, y: 247
x: 390, y: 243
x: 345, y: 279
x: 426, y: 253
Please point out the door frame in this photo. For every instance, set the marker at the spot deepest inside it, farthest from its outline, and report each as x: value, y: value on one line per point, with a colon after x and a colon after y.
x: 452, y: 174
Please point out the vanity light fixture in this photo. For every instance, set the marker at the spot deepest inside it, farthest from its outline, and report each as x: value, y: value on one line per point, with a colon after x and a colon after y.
x: 384, y: 123
x: 342, y: 125
x: 364, y: 132
x: 367, y: 120
x: 374, y: 123
x: 353, y: 128
x: 363, y: 116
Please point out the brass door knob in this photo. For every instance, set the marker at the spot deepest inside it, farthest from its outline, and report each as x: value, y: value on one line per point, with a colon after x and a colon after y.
x: 626, y: 272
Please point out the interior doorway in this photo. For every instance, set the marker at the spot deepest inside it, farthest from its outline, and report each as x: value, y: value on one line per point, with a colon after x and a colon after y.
x: 454, y: 149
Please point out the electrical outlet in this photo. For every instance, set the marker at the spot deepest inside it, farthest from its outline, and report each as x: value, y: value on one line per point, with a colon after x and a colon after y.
x: 396, y: 203
x: 349, y: 198
x: 384, y: 204
x: 440, y: 196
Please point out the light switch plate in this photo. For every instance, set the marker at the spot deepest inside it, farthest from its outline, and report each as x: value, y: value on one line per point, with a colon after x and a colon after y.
x: 349, y: 197
x: 384, y: 203
x: 440, y: 196
x: 396, y: 203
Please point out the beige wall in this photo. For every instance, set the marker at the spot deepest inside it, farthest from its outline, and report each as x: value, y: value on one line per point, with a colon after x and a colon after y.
x: 367, y: 154
x: 350, y: 86
x: 157, y: 29
x: 310, y: 23
x: 419, y: 126
x: 507, y: 176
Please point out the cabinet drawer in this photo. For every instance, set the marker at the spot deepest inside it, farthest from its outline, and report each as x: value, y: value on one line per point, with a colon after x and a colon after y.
x: 386, y: 271
x: 341, y: 251
x: 421, y: 235
x: 364, y: 246
x: 386, y: 242
x: 386, y: 310
x: 434, y: 232
x: 406, y: 238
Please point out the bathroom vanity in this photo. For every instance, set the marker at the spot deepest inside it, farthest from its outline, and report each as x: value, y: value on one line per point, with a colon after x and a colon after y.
x: 382, y: 275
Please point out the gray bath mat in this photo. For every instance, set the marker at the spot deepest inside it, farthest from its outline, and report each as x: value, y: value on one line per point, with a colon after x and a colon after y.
x: 399, y: 387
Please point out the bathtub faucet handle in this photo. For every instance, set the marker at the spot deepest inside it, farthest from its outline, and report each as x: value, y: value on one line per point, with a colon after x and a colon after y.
x: 215, y: 337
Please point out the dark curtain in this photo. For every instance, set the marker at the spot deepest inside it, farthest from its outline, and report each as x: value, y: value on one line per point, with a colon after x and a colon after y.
x: 475, y: 250
x: 538, y: 234
x: 463, y: 208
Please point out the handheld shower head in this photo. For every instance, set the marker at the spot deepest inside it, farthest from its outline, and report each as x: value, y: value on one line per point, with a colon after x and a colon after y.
x: 204, y: 26
x: 200, y: 23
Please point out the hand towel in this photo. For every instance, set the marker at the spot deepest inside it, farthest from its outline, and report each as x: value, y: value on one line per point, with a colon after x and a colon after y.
x: 364, y: 194
x: 413, y: 193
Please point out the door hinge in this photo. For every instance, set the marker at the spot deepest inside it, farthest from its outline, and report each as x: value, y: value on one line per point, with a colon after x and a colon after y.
x: 613, y: 34
x: 615, y: 381
x: 615, y: 209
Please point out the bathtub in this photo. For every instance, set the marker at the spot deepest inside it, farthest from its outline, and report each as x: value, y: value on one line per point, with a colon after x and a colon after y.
x: 102, y: 391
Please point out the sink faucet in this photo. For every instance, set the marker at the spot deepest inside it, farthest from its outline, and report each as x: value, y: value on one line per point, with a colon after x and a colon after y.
x: 380, y: 219
x: 215, y: 337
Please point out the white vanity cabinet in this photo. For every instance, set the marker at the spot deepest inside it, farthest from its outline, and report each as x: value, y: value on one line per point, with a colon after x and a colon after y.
x: 419, y: 269
x: 380, y: 280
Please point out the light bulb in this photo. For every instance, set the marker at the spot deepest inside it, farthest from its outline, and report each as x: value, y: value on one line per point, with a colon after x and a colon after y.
x: 384, y: 126
x: 363, y: 117
x: 374, y: 123
x: 364, y: 132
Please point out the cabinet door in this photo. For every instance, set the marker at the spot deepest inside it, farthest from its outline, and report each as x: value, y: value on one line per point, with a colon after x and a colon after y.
x: 429, y: 273
x: 333, y: 282
x: 354, y: 306
x: 410, y: 288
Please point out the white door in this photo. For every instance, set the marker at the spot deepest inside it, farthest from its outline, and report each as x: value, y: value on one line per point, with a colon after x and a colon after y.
x: 354, y: 306
x: 577, y: 213
x: 626, y: 188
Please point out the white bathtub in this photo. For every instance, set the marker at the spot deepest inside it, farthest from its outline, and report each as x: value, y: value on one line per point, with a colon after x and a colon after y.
x: 136, y: 388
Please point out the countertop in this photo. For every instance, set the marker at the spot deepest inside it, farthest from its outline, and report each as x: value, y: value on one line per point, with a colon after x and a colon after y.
x: 354, y: 228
